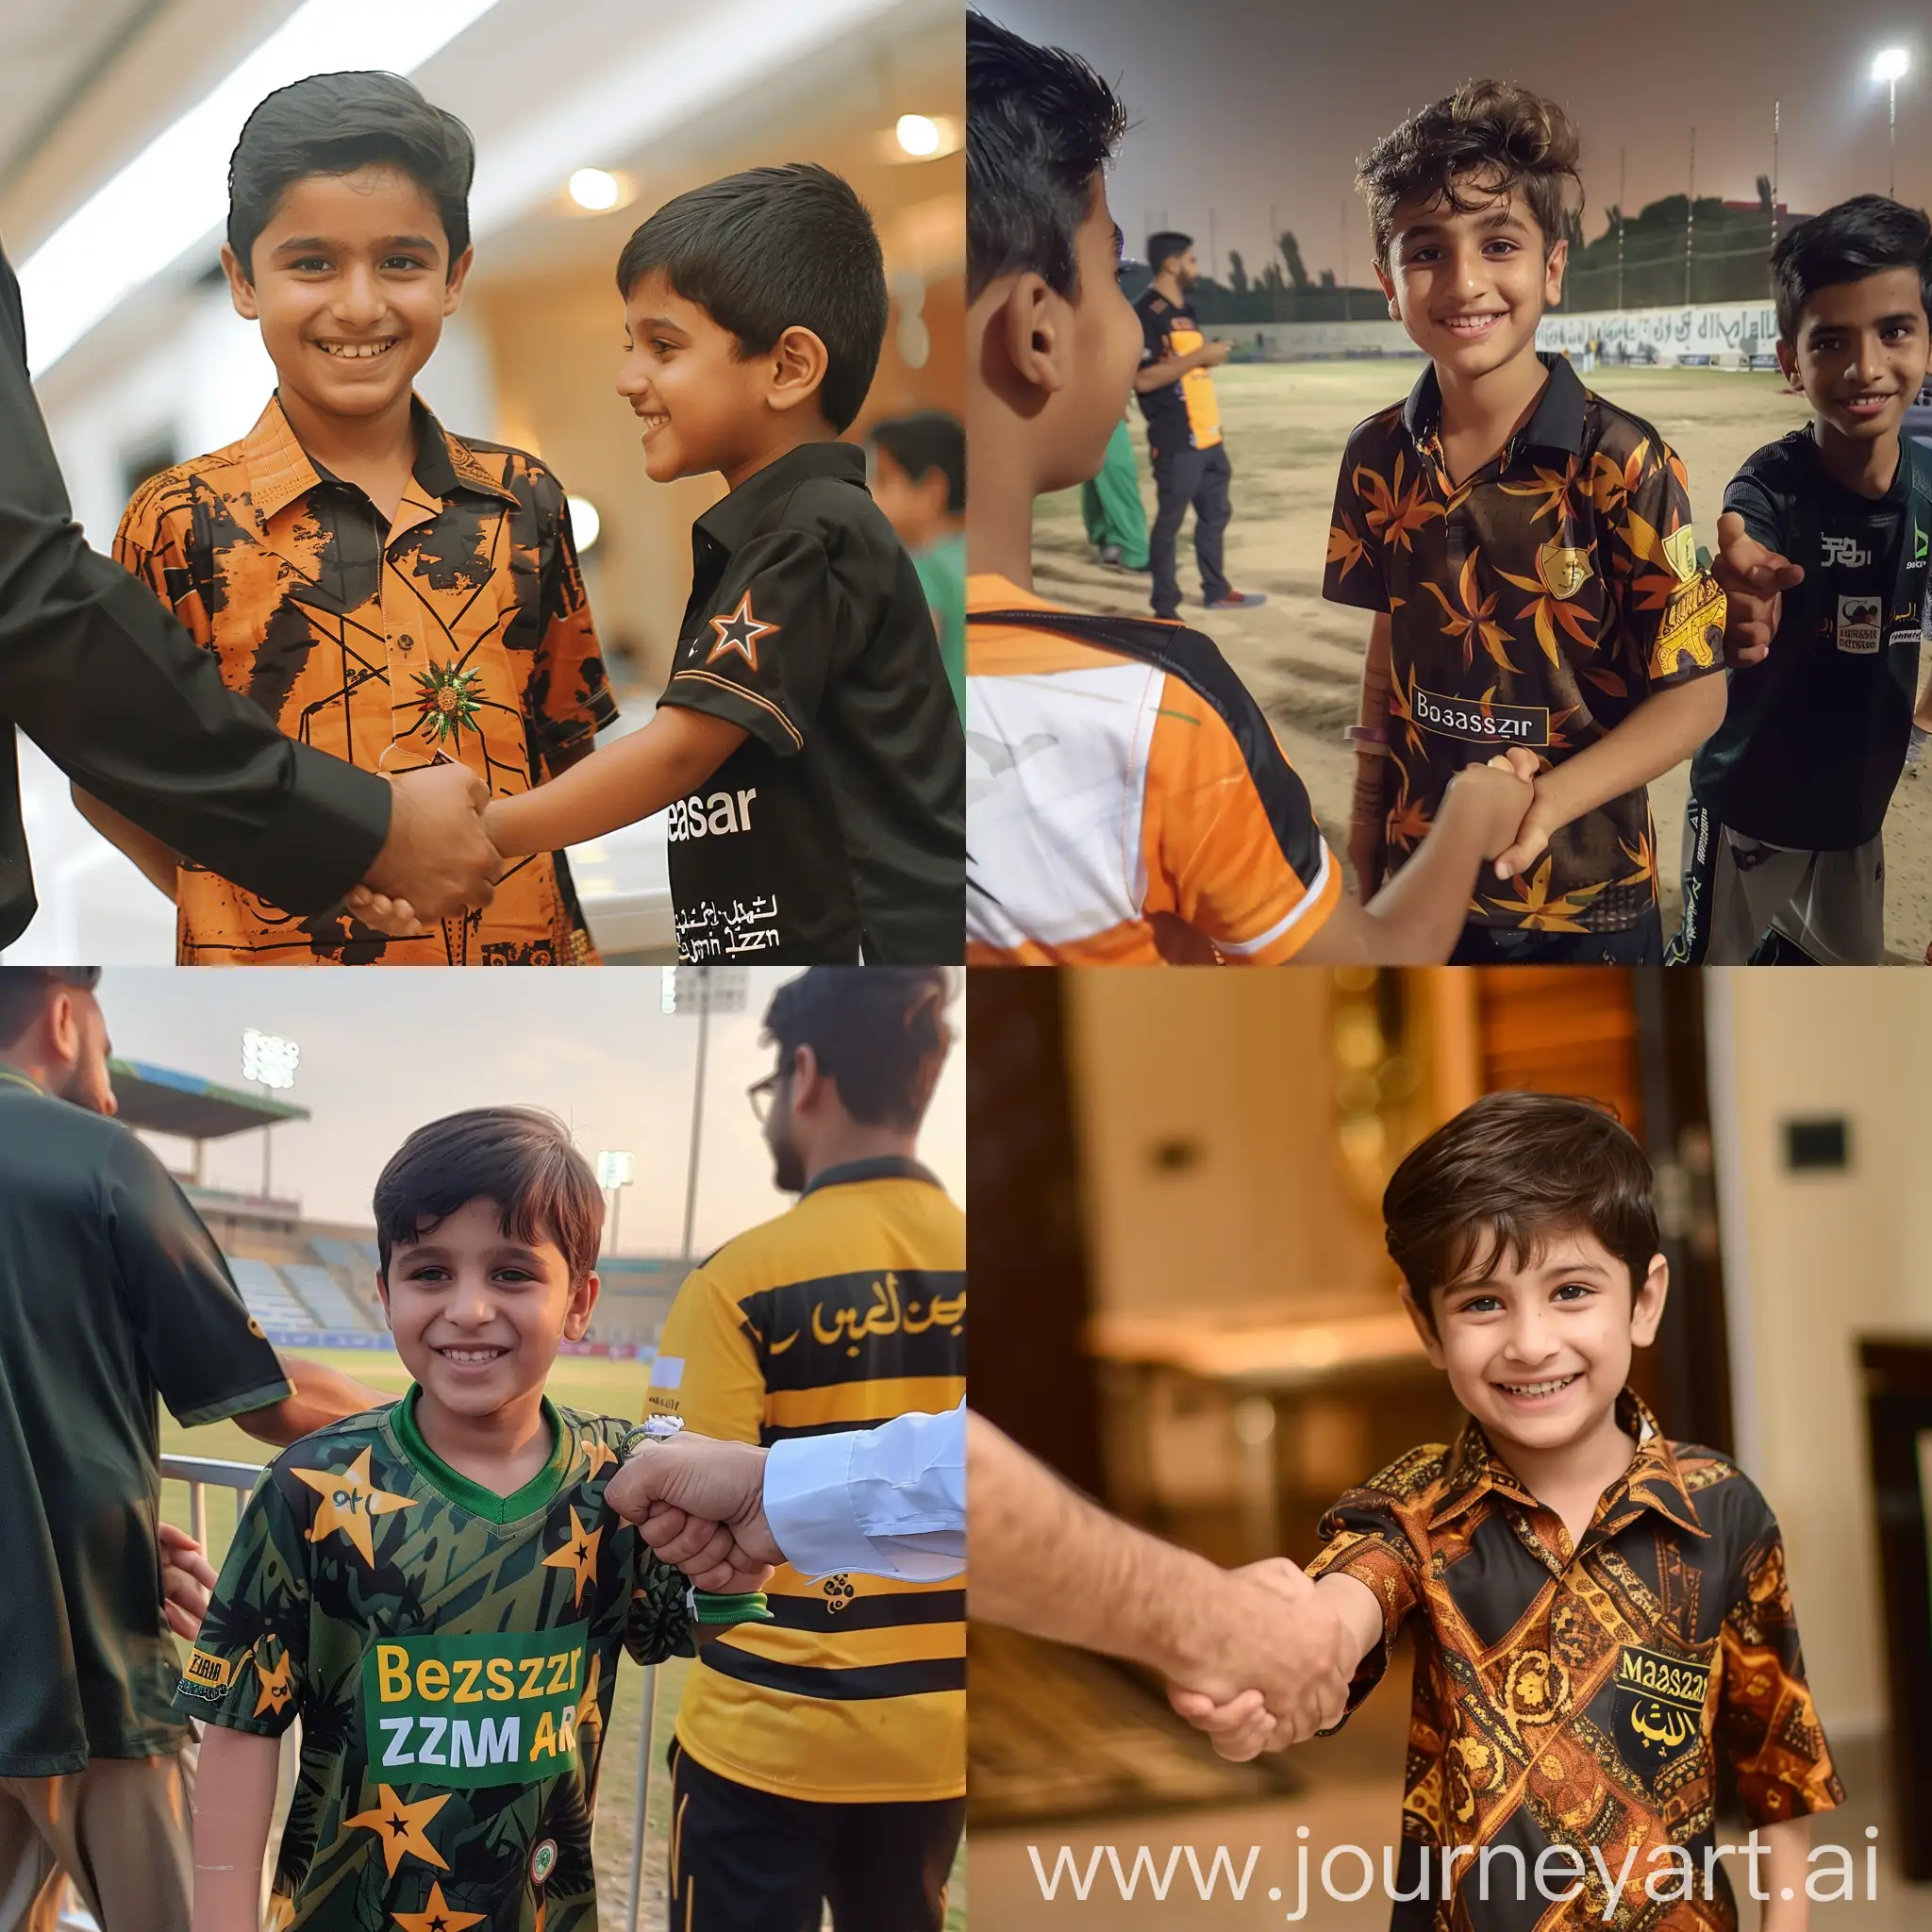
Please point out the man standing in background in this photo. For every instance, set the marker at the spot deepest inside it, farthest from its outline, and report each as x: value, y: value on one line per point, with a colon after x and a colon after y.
x: 1190, y: 467
x: 821, y: 1757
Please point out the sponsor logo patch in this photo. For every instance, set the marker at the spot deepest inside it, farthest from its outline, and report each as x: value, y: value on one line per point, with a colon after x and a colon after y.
x: 1847, y: 553
x: 1859, y: 622
x: 1481, y: 720
x: 1563, y: 569
x: 1693, y: 627
x: 714, y: 817
x: 1680, y: 552
x: 205, y: 1674
x: 1920, y: 540
x: 542, y: 1860
x: 667, y: 1372
x: 1658, y: 1708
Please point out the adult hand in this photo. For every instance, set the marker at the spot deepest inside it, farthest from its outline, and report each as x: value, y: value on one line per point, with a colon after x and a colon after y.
x: 187, y: 1579
x: 1214, y: 354
x: 1752, y: 576
x: 700, y: 1504
x: 437, y: 857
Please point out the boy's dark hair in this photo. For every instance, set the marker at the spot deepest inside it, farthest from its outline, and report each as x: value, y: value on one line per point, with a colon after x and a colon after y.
x: 25, y: 990
x: 1164, y: 245
x: 1861, y: 236
x: 519, y: 1157
x: 1490, y: 136
x: 771, y: 249
x: 928, y: 441
x: 1039, y: 125
x: 880, y: 1031
x: 333, y: 123
x: 1508, y: 1172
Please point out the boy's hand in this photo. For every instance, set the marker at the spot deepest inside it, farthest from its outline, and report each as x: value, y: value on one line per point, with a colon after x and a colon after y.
x: 1751, y: 575
x: 188, y: 1578
x: 1240, y: 1729
x: 396, y: 918
x: 1507, y: 801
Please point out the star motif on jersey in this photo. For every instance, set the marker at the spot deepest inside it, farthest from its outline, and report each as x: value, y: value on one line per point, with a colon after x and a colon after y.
x: 739, y: 632
x: 437, y: 1915
x: 600, y: 1452
x: 579, y: 1553
x: 349, y: 1500
x: 401, y: 1828
x: 275, y: 1687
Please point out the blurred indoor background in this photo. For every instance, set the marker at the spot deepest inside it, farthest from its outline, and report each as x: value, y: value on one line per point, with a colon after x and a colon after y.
x: 1183, y: 1302
x: 116, y: 121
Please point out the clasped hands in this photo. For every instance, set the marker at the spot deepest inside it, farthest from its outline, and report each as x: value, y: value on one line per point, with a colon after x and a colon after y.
x: 700, y: 1504
x: 437, y: 861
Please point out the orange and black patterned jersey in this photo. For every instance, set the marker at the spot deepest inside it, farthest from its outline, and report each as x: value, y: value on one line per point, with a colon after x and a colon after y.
x: 1184, y: 414
x: 1582, y: 1697
x: 1538, y: 602
x: 1126, y: 803
x: 460, y: 631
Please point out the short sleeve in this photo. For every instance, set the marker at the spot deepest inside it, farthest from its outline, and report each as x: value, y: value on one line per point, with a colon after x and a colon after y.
x: 1673, y: 612
x: 1153, y: 335
x: 1362, y: 1536
x: 708, y: 1370
x: 1766, y: 521
x: 1767, y: 1724
x: 657, y: 1624
x: 1355, y: 572
x: 1244, y: 862
x: 207, y: 1354
x: 248, y: 1669
x: 568, y: 698
x: 779, y: 622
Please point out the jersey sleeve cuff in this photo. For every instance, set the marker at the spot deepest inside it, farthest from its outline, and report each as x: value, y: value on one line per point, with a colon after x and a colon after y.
x: 223, y: 1407
x: 752, y: 712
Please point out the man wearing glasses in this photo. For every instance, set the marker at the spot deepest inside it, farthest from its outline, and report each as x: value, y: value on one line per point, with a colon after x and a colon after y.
x: 821, y: 1757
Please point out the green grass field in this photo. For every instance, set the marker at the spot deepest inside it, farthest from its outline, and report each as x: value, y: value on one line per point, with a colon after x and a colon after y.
x: 582, y: 1382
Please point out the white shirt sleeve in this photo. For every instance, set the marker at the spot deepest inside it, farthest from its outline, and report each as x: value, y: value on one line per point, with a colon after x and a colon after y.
x: 885, y: 1502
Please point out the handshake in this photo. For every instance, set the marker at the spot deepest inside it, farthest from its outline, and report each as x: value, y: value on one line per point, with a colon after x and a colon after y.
x: 437, y: 861
x: 700, y: 1504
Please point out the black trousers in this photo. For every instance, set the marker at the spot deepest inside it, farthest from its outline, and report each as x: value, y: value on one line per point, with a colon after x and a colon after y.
x: 1641, y: 944
x: 1185, y: 480
x: 747, y: 1861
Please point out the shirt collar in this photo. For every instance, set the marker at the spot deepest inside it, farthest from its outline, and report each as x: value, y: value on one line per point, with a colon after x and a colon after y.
x: 1653, y: 1481
x: 881, y: 1167
x: 18, y: 1076
x: 734, y: 516
x: 1556, y: 423
x: 280, y: 470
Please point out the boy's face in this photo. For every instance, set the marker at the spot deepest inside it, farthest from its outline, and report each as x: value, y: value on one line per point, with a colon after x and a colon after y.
x: 477, y: 1314
x: 350, y: 282
x: 914, y: 509
x: 1861, y: 354
x: 1536, y: 1349
x: 1469, y: 289
x: 702, y: 402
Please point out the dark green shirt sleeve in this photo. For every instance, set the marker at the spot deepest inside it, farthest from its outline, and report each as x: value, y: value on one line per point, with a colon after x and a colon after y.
x: 659, y: 1625
x: 111, y: 687
x: 207, y: 1356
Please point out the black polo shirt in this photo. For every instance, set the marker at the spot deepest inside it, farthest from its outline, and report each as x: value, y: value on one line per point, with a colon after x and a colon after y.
x: 1184, y: 414
x: 838, y: 828
x: 1538, y: 602
x: 112, y: 1294
x: 1814, y: 737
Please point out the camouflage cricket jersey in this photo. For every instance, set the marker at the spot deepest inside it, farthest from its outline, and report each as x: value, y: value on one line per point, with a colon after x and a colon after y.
x: 451, y: 1653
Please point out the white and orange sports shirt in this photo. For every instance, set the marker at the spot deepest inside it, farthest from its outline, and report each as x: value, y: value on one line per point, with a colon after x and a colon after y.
x: 1125, y: 801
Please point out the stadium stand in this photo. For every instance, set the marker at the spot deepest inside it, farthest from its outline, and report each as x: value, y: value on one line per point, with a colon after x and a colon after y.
x: 270, y: 1299
x: 322, y: 1294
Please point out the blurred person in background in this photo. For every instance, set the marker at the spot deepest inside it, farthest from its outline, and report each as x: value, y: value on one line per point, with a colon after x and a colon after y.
x: 919, y: 480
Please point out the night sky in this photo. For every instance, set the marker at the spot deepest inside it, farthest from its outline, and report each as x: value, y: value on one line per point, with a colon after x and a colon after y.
x: 1245, y: 104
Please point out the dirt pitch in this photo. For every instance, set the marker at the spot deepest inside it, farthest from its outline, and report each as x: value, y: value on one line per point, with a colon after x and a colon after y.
x: 1285, y: 426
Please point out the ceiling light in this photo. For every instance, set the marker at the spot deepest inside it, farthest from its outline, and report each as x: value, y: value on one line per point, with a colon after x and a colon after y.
x: 128, y: 232
x: 585, y: 523
x: 593, y: 189
x: 919, y: 135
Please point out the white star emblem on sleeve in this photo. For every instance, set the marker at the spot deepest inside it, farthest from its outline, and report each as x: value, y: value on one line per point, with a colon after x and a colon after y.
x: 739, y: 632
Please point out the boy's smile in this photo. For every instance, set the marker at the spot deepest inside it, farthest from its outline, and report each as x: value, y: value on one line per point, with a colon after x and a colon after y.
x: 350, y: 283
x: 1471, y: 286
x: 1861, y: 352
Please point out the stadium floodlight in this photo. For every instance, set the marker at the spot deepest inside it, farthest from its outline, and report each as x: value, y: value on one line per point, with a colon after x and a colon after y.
x: 704, y: 989
x: 174, y: 194
x: 268, y: 1061
x: 1890, y: 64
x: 616, y: 1168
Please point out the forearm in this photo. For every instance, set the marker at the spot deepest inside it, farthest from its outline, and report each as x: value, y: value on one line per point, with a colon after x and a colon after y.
x: 1787, y: 1849
x: 1657, y: 736
x: 1415, y: 919
x: 1159, y: 375
x: 234, y: 1800
x: 318, y: 1396
x: 158, y: 860
x: 1354, y: 1603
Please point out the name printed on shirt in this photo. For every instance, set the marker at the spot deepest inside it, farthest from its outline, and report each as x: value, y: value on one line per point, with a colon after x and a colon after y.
x: 716, y: 817
x: 712, y: 931
x: 1846, y: 552
x: 1484, y: 721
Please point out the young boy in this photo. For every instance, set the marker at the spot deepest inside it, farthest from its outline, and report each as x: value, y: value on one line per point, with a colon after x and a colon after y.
x: 807, y: 744
x: 1600, y: 1615
x: 1129, y: 802
x: 388, y: 591
x: 919, y: 482
x: 1527, y: 547
x: 1826, y: 535
x: 437, y: 1589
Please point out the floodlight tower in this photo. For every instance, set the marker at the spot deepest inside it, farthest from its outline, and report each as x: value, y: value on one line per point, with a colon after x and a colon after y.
x: 270, y: 1061
x: 1889, y: 64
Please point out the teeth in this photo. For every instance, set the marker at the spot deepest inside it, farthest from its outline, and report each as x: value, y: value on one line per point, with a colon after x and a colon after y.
x: 356, y: 351
x: 1532, y: 1388
x: 471, y: 1355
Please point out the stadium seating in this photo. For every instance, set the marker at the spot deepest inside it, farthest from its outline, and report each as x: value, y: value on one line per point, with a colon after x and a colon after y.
x: 321, y: 1293
x: 269, y: 1296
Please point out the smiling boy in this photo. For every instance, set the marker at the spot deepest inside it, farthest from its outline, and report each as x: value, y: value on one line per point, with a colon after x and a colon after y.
x: 392, y: 593
x: 807, y: 744
x: 1526, y: 549
x: 1600, y: 1615
x: 1826, y: 533
x: 437, y: 1589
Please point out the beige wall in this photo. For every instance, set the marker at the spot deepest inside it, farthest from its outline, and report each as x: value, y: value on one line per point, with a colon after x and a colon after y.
x: 1813, y: 1262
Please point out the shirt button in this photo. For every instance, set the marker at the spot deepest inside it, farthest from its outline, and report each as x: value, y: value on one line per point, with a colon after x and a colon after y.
x: 406, y: 644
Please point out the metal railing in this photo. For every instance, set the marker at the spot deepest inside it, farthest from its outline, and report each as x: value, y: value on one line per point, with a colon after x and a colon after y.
x: 202, y: 1473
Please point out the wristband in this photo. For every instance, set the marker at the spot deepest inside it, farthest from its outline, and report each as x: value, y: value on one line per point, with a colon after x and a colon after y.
x: 749, y: 1606
x: 1376, y: 735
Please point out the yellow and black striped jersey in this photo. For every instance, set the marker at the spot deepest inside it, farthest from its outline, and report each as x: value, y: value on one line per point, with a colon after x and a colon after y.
x: 840, y: 1314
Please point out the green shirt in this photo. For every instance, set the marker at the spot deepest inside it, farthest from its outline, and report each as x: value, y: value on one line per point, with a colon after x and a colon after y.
x: 113, y: 1298
x: 941, y: 567
x: 452, y: 1655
